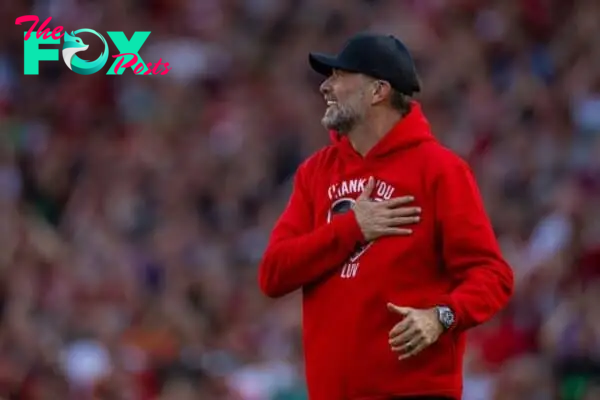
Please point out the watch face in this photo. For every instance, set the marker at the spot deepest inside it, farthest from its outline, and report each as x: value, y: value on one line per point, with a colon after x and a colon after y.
x: 446, y: 316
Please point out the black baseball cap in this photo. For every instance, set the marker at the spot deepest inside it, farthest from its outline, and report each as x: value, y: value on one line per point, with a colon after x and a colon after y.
x: 379, y: 56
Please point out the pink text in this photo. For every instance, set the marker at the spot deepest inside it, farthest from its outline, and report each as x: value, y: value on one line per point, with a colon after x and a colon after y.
x: 140, y: 66
x: 55, y: 34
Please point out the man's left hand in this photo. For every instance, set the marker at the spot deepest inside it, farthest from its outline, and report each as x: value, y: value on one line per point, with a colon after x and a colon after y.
x: 417, y: 330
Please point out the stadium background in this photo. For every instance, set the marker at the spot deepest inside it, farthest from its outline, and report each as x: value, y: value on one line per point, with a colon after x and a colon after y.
x: 134, y: 209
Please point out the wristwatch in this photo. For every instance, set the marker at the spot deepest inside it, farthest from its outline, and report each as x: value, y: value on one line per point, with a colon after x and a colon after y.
x: 445, y: 316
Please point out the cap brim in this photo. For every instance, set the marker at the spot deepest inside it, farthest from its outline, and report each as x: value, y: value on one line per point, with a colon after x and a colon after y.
x: 323, y: 64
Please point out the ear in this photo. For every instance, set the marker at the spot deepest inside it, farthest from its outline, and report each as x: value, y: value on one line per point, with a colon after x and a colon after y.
x: 381, y: 90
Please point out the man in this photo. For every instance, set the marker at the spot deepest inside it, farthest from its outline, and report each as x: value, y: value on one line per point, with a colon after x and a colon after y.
x: 387, y: 237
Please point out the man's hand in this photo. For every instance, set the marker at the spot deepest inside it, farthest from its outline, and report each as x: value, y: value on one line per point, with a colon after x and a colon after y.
x: 382, y: 218
x: 417, y: 330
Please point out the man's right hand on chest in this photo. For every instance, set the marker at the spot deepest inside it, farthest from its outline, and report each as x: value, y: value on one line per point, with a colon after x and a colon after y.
x: 384, y: 218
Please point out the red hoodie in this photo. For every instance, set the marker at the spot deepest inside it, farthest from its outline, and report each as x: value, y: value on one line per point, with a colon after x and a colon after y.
x: 452, y: 258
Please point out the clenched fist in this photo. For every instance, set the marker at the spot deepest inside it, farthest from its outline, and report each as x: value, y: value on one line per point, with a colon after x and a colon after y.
x: 383, y: 218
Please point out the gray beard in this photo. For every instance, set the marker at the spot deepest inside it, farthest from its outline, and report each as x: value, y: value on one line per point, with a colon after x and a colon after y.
x: 340, y: 120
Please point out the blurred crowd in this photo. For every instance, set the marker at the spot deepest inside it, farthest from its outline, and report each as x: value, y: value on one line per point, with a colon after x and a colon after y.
x: 134, y: 210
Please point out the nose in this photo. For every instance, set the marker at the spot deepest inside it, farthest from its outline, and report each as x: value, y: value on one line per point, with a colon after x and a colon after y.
x: 325, y: 87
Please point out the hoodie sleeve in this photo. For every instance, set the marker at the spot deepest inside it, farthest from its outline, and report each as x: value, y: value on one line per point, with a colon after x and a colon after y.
x: 483, y: 279
x: 297, y: 254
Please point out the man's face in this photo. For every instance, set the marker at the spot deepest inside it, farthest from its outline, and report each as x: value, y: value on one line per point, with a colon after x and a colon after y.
x: 348, y: 100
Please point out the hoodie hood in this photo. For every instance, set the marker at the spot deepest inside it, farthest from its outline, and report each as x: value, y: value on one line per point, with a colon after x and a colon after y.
x: 408, y: 132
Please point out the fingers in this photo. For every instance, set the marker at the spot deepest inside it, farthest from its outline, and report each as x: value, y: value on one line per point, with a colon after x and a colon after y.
x: 411, y: 212
x: 407, y: 339
x: 368, y: 190
x: 401, y: 328
x: 407, y: 332
x: 395, y: 232
x: 405, y: 342
x: 401, y: 333
x: 412, y: 349
x: 397, y: 201
x: 404, y: 311
x: 383, y: 218
x: 398, y: 221
x: 414, y: 333
x: 390, y: 226
x: 378, y: 232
